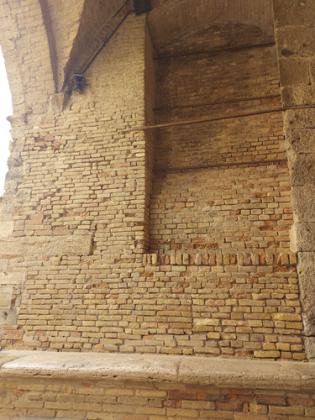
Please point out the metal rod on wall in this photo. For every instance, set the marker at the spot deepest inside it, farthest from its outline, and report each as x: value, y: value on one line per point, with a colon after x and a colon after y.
x: 200, y: 120
x: 206, y: 120
x: 219, y: 166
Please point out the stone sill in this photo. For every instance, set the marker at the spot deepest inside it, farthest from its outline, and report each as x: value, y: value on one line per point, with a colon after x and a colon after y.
x: 217, y: 372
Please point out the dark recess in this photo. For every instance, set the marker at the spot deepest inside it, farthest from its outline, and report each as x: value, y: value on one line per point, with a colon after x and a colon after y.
x: 141, y: 6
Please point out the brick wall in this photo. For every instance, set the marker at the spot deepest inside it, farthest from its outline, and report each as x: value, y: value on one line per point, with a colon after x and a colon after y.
x: 77, y: 203
x: 207, y: 183
x: 173, y: 241
x: 236, y: 209
x: 200, y: 79
x: 84, y: 399
x: 82, y: 206
x: 220, y: 205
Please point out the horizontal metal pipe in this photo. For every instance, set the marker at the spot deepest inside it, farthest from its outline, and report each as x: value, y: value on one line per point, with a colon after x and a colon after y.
x: 223, y: 166
x: 207, y: 120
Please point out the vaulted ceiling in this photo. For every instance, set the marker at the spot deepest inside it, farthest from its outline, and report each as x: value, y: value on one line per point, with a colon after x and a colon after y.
x: 179, y: 26
x: 78, y: 29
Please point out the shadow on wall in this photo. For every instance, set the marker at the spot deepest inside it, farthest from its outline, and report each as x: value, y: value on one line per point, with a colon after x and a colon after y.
x: 5, y: 111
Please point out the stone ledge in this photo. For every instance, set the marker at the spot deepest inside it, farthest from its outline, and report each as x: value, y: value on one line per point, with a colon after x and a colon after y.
x: 217, y: 372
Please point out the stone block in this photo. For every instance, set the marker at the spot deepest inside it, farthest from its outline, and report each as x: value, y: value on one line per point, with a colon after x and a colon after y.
x: 56, y: 102
x: 301, y: 140
x: 302, y: 169
x: 299, y: 94
x: 7, y: 317
x: 5, y: 297
x: 14, y: 278
x: 306, y: 270
x: 293, y: 71
x: 47, y: 246
x: 6, y: 229
x: 299, y: 118
x: 303, y: 238
x: 309, y: 343
x: 296, y: 43
x: 312, y: 70
x: 290, y: 13
x: 303, y: 203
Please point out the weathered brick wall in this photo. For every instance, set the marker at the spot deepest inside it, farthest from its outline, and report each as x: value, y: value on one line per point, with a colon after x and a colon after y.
x: 173, y: 241
x: 220, y: 278
x: 242, y: 140
x: 150, y: 98
x: 232, y: 209
x: 79, y: 205
x: 221, y: 204
x: 201, y: 79
x: 84, y: 399
x: 210, y: 199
